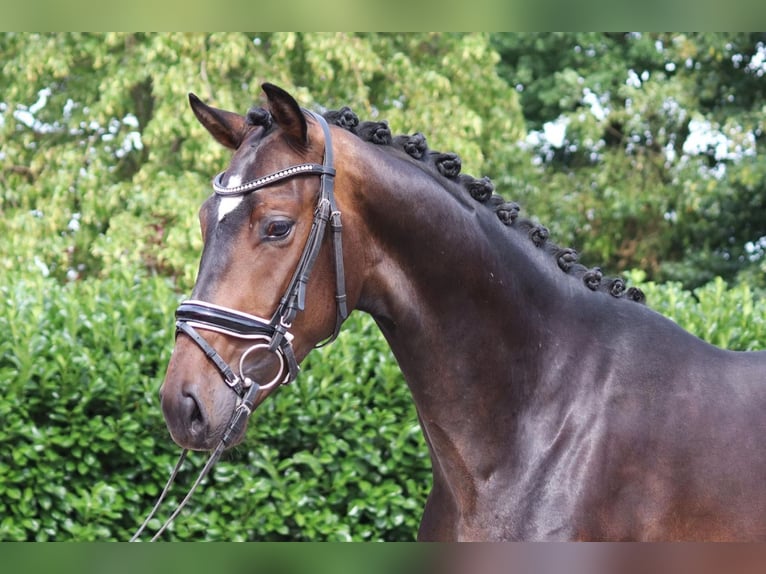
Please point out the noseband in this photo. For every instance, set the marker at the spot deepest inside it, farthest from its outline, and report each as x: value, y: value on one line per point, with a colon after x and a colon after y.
x: 271, y: 335
x: 274, y: 334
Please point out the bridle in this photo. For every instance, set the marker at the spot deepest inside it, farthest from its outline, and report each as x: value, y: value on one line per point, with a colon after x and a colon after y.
x: 265, y: 335
x: 193, y: 315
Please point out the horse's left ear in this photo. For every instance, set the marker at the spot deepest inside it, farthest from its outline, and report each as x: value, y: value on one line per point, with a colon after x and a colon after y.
x: 287, y: 113
x: 228, y: 128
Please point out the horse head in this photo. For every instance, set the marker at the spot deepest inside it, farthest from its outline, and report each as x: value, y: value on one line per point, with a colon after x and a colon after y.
x: 272, y: 224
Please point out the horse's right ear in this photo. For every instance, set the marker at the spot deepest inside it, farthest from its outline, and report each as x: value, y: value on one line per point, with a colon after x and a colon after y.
x: 228, y: 128
x: 287, y: 114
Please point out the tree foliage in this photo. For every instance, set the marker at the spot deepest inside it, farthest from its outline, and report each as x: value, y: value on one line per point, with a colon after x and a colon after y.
x: 661, y: 166
x: 103, y: 168
x: 97, y: 127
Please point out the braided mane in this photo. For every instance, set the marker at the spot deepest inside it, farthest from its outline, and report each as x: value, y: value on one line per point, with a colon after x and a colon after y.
x: 448, y: 165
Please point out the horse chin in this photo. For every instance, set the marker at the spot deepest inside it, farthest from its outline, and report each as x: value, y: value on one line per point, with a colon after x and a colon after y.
x: 211, y: 434
x: 232, y: 441
x: 207, y: 440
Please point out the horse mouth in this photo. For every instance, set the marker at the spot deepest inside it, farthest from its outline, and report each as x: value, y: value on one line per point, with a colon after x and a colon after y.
x: 200, y: 420
x: 199, y: 437
x: 196, y: 426
x: 205, y: 437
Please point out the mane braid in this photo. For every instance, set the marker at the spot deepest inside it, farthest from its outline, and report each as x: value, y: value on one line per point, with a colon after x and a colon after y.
x: 377, y: 133
x: 259, y: 117
x: 480, y: 189
x: 449, y: 165
x: 415, y: 145
x: 343, y: 117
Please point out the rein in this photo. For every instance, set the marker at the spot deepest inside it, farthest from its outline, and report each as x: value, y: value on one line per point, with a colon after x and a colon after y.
x: 270, y: 336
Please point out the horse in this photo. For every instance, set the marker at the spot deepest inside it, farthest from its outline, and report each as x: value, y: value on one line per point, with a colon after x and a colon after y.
x: 555, y: 404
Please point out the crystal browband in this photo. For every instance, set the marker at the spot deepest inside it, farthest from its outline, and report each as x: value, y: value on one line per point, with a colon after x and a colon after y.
x: 250, y: 186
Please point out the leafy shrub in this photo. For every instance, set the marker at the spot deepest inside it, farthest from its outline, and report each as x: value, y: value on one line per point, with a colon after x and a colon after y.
x: 78, y: 370
x: 729, y: 317
x: 337, y: 455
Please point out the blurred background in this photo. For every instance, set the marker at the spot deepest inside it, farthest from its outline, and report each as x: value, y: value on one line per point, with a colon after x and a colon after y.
x: 645, y: 152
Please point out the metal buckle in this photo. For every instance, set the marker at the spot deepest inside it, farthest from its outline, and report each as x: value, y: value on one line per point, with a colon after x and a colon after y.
x: 285, y: 323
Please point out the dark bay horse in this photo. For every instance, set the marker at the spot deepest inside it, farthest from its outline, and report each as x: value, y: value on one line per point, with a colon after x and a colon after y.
x: 555, y: 405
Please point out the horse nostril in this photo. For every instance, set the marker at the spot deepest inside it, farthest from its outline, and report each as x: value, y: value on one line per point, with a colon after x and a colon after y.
x: 194, y: 415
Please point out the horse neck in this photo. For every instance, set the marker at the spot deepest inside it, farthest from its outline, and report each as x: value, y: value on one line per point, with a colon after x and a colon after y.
x: 468, y: 307
x: 460, y: 298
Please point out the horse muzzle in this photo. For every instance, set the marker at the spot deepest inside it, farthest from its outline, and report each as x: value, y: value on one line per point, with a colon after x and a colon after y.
x: 198, y: 415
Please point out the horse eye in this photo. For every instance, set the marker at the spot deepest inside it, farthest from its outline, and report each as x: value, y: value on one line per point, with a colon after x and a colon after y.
x: 278, y: 228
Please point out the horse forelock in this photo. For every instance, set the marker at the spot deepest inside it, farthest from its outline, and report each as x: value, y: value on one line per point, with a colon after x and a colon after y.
x: 447, y: 167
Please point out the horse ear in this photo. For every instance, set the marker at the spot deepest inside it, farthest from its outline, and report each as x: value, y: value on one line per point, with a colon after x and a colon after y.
x: 228, y: 128
x: 287, y: 113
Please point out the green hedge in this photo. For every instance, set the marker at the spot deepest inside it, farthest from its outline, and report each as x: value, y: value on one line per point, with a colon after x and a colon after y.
x: 337, y: 455
x: 729, y: 317
x: 78, y: 370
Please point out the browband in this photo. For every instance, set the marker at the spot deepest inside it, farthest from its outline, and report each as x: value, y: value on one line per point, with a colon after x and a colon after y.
x: 250, y: 186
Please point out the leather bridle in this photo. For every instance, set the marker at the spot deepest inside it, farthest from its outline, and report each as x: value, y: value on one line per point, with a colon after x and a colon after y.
x: 271, y: 335
x: 192, y: 315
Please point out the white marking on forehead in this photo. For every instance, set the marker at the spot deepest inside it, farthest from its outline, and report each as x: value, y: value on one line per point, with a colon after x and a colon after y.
x: 228, y: 204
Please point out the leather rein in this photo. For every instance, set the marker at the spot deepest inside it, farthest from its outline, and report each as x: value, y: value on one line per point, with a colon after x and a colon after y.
x: 272, y: 335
